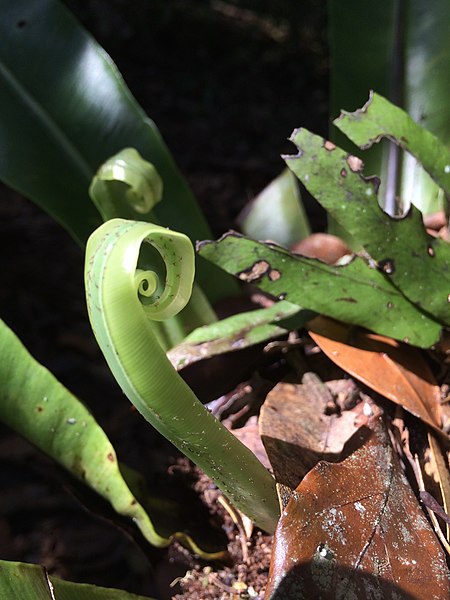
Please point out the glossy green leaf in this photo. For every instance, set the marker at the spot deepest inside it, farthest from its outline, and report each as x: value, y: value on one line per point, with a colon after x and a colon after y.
x: 379, y: 118
x: 416, y: 263
x: 277, y: 213
x: 124, y: 299
x: 354, y: 293
x: 235, y: 333
x: 42, y: 410
x: 65, y: 109
x: 32, y: 582
x: 402, y: 51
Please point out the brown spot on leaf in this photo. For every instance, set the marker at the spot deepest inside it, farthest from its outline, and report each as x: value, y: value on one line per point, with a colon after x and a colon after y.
x: 255, y: 272
x: 390, y: 305
x: 343, y: 173
x: 329, y: 146
x: 351, y: 300
x: 355, y: 163
x: 387, y: 266
x: 373, y: 180
x: 274, y: 275
x: 39, y: 408
x: 110, y: 457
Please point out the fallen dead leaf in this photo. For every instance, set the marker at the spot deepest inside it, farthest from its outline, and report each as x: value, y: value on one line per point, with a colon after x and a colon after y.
x: 355, y: 530
x: 250, y: 437
x: 393, y: 369
x: 296, y: 431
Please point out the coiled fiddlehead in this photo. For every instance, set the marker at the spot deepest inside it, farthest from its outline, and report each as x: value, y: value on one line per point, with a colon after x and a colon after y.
x: 121, y: 299
x: 127, y: 186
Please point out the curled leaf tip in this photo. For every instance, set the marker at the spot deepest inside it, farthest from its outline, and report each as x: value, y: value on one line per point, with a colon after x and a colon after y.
x: 126, y: 185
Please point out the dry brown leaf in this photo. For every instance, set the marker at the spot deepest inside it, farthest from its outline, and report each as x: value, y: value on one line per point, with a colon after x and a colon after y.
x: 391, y: 368
x: 250, y: 437
x: 355, y: 530
x: 297, y: 433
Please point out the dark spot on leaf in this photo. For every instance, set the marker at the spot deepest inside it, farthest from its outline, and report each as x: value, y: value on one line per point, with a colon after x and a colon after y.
x: 21, y: 24
x: 255, y: 272
x: 110, y: 457
x: 430, y: 251
x: 373, y: 180
x: 39, y: 408
x: 274, y: 275
x: 355, y: 163
x: 390, y: 305
x: 343, y: 173
x: 133, y: 502
x: 351, y: 300
x: 387, y: 266
x: 329, y: 145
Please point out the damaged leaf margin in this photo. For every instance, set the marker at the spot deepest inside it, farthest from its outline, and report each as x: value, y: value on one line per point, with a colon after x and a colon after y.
x: 379, y: 118
x: 400, y: 248
x: 354, y: 293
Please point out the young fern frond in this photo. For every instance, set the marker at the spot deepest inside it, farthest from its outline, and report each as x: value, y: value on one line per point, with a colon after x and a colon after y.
x: 126, y: 186
x: 124, y: 294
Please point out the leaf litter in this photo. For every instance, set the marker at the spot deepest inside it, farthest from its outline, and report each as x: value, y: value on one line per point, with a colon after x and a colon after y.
x: 354, y: 529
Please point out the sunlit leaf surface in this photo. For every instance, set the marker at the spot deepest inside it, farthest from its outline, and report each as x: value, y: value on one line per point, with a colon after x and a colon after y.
x: 416, y: 263
x: 354, y: 292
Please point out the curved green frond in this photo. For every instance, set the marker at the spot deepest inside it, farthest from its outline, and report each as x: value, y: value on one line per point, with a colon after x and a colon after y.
x: 121, y: 317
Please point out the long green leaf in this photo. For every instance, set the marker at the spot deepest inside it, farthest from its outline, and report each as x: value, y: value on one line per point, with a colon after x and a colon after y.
x: 36, y: 405
x: 64, y: 110
x: 354, y: 293
x: 416, y: 263
x: 235, y: 333
x: 23, y: 581
x: 401, y: 49
x: 122, y: 301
